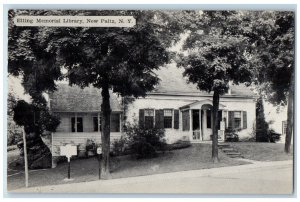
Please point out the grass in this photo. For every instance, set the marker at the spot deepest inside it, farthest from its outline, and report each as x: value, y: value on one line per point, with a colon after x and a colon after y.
x: 261, y: 151
x: 198, y: 156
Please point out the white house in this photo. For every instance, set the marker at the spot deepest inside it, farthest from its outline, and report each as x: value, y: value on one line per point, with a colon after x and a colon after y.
x: 184, y: 111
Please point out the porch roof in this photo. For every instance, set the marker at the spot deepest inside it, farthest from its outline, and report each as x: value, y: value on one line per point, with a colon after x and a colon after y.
x: 199, y: 104
x: 74, y: 99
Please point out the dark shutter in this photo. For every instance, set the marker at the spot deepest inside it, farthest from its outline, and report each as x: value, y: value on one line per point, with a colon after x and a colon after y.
x: 231, y: 119
x: 244, y: 119
x: 141, y: 118
x: 176, y: 119
x: 185, y: 120
x: 73, y: 124
x: 157, y: 118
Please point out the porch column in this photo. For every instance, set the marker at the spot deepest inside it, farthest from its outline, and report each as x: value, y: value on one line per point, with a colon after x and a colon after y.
x: 120, y: 117
x: 191, y: 123
x: 200, y: 123
x: 98, y: 118
x: 75, y: 122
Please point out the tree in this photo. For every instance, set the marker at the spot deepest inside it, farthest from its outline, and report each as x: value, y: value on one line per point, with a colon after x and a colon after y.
x: 26, y: 60
x: 117, y: 59
x: 261, y: 125
x: 14, y: 132
x: 216, y: 56
x: 272, y: 35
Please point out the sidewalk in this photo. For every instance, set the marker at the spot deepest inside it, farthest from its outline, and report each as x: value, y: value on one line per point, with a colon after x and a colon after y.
x: 135, y: 184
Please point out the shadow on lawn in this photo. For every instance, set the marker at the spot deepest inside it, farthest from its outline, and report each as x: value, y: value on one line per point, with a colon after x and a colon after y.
x: 198, y: 156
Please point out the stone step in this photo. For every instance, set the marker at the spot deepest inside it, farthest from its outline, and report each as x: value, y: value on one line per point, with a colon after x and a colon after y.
x: 235, y: 156
x: 223, y: 145
x: 228, y: 149
x: 233, y: 153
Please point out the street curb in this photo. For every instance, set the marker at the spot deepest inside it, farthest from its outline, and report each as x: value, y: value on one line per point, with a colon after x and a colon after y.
x: 165, y: 176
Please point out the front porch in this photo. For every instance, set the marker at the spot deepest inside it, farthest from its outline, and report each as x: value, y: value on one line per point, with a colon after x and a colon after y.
x: 197, y: 121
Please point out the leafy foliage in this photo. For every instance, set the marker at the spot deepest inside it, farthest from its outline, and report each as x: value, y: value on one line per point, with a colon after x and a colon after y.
x: 120, y: 59
x: 120, y: 146
x: 261, y: 125
x: 272, y: 53
x: 35, y: 118
x: 145, y: 143
x: 215, y: 54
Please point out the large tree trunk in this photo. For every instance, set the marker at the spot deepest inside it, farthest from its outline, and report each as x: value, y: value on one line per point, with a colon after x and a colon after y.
x: 38, y: 154
x: 105, y: 135
x: 290, y: 118
x: 216, y: 98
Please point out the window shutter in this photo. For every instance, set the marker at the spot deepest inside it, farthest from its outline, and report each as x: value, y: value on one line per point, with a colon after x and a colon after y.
x: 141, y: 118
x: 244, y: 119
x: 231, y: 119
x: 161, y: 118
x: 176, y: 119
x: 157, y: 118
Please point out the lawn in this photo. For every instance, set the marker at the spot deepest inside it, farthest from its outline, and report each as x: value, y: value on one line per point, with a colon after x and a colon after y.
x: 198, y: 156
x: 261, y: 151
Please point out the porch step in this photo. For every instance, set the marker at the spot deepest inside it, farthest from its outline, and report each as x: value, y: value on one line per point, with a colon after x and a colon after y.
x: 223, y: 145
x: 235, y: 156
x: 230, y: 151
x: 233, y: 153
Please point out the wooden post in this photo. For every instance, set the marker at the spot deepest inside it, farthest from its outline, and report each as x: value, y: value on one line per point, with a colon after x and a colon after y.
x: 191, y: 122
x: 98, y: 118
x: 69, y: 168
x: 25, y: 158
x: 75, y: 122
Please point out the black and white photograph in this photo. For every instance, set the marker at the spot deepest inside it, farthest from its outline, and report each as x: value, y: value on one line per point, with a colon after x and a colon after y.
x: 153, y: 101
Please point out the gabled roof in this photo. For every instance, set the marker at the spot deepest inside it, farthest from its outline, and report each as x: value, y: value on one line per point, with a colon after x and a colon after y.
x: 173, y: 82
x: 74, y: 99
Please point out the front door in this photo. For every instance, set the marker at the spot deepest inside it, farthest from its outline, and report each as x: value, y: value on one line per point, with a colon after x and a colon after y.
x: 196, y: 125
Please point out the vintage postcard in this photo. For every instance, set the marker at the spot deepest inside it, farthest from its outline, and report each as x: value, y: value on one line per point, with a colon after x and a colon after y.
x: 151, y: 101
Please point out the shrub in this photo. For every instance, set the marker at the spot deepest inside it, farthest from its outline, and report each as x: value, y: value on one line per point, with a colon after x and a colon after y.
x: 145, y: 143
x: 180, y: 144
x: 120, y: 146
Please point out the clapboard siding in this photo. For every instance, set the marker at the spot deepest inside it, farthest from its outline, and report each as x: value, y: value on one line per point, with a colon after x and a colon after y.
x: 62, y: 138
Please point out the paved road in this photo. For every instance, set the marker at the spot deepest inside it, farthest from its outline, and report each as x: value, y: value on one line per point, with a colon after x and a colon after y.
x: 257, y: 178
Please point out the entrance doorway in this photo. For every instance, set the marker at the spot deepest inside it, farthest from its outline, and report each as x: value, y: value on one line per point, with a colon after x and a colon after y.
x: 197, y: 126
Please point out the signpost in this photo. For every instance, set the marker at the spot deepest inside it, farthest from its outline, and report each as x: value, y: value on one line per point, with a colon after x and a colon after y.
x: 99, y: 152
x: 25, y: 157
x: 68, y: 151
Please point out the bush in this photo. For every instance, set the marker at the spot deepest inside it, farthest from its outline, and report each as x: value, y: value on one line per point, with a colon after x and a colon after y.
x: 231, y: 135
x: 180, y: 144
x: 120, y: 146
x: 145, y: 143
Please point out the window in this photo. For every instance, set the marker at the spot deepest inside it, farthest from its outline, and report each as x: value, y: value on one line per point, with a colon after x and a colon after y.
x: 149, y: 118
x: 115, y: 122
x: 168, y: 118
x: 97, y: 125
x: 237, y: 120
x: 208, y: 115
x: 78, y: 127
x: 284, y: 126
